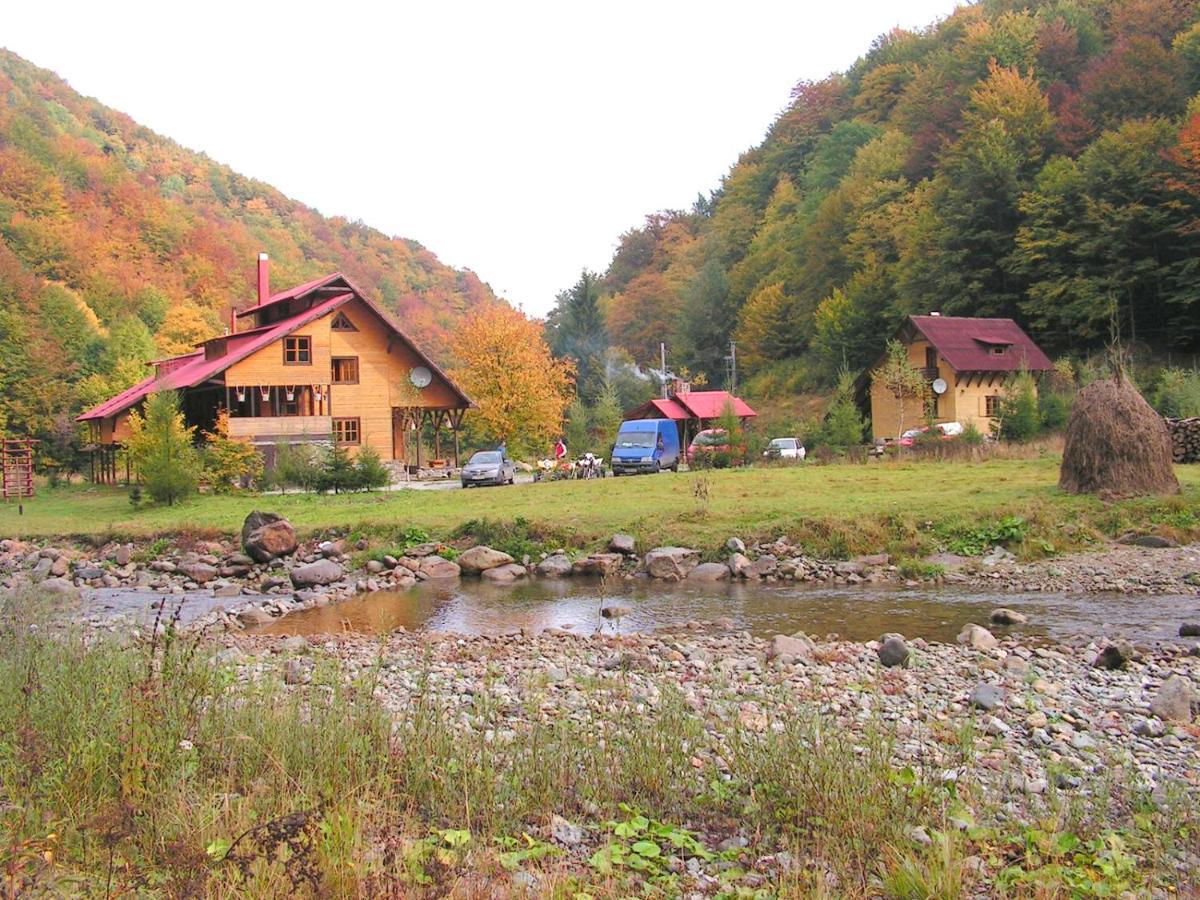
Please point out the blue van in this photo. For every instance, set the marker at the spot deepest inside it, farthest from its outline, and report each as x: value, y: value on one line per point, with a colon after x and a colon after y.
x: 646, y: 445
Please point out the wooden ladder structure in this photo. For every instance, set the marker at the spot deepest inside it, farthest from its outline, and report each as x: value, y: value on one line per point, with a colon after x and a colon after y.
x: 16, y: 462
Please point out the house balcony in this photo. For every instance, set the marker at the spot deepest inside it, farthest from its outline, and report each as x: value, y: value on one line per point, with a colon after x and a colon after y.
x: 281, y: 429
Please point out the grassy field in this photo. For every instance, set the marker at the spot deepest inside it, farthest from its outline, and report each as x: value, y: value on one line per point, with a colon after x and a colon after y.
x: 904, y: 507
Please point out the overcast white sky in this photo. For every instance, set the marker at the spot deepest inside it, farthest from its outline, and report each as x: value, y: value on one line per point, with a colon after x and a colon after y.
x: 516, y: 139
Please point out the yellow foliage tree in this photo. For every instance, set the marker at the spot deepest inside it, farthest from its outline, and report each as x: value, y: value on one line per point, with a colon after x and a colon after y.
x: 184, y: 326
x: 506, y: 368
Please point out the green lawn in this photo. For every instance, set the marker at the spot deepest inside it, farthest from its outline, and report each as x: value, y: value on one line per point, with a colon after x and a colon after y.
x: 839, y: 508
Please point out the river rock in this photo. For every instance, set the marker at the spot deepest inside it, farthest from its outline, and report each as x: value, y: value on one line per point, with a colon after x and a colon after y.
x: 791, y: 647
x: 986, y: 696
x: 1114, y: 655
x: 323, y: 571
x: 848, y: 567
x: 739, y: 564
x: 616, y: 611
x: 505, y: 574
x: 59, y: 567
x: 735, y: 545
x: 565, y: 832
x: 873, y: 560
x: 201, y: 573
x: 1005, y: 616
x: 556, y: 565
x: 1173, y: 702
x: 1151, y: 541
x: 763, y: 567
x: 1189, y: 629
x: 123, y: 555
x: 977, y: 637
x: 42, y: 569
x: 671, y: 563
x: 709, y: 572
x: 267, y: 536
x: 598, y: 564
x: 437, y: 567
x: 479, y: 559
x: 623, y: 544
x: 893, y: 651
x: 253, y: 615
x: 294, y: 671
x: 61, y: 586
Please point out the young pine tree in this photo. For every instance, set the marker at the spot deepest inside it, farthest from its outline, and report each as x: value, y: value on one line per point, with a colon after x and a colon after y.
x: 161, y: 449
x: 338, y: 473
x: 372, y: 473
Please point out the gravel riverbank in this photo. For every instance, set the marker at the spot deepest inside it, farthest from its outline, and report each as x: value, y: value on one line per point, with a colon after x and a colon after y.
x: 1021, y: 729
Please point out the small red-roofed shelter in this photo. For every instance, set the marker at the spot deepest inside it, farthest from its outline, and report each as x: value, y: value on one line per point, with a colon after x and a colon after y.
x: 692, y: 411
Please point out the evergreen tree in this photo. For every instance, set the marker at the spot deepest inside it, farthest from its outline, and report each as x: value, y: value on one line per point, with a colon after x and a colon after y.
x: 372, y: 473
x: 707, y: 321
x: 575, y: 330
x: 606, y: 417
x: 338, y: 473
x: 161, y: 449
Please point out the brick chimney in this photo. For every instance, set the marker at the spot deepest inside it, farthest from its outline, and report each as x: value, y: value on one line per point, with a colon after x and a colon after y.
x: 264, y: 278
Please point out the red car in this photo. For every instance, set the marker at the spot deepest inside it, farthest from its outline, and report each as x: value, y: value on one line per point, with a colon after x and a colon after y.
x: 947, y: 431
x: 710, y: 441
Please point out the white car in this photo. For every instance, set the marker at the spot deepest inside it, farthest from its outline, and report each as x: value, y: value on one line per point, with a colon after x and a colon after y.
x: 785, y: 448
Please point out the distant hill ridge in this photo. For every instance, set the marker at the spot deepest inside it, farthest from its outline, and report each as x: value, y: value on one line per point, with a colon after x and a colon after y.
x: 118, y: 245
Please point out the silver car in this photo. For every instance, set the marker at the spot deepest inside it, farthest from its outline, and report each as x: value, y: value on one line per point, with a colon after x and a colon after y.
x: 488, y: 467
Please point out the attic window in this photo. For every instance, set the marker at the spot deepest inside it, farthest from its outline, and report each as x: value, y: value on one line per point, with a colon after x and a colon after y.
x: 342, y: 323
x: 999, y: 349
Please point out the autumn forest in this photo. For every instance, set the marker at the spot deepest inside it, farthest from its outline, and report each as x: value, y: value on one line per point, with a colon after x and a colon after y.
x: 1039, y: 160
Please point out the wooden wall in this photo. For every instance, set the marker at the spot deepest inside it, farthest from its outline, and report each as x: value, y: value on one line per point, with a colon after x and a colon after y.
x: 384, y: 366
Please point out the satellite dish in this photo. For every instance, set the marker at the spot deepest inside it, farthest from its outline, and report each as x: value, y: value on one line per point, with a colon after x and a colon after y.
x: 421, y: 377
x: 939, y: 385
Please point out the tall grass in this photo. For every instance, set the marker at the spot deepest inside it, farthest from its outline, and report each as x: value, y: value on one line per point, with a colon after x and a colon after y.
x: 151, y: 768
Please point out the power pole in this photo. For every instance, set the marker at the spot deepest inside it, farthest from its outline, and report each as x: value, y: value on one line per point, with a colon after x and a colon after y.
x: 662, y: 353
x: 732, y: 357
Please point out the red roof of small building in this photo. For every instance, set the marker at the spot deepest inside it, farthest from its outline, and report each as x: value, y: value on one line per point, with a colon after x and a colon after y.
x: 193, y: 369
x: 968, y: 344
x: 692, y: 405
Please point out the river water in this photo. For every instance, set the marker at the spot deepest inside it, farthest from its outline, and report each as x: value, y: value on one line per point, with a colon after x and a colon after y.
x: 856, y: 613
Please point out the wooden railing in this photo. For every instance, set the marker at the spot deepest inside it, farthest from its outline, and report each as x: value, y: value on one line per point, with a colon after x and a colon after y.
x: 281, y: 427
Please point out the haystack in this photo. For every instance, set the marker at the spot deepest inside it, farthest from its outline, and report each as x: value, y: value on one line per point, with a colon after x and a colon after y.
x: 1116, y: 445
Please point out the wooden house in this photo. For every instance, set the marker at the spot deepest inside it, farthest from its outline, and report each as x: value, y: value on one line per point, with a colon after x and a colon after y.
x: 970, y: 359
x: 320, y: 362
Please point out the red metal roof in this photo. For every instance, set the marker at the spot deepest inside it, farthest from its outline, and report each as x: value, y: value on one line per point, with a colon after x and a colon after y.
x: 192, y: 369
x: 711, y: 404
x: 298, y: 291
x: 692, y: 405
x: 967, y: 344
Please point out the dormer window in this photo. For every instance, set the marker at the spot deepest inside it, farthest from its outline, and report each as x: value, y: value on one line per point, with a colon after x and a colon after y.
x: 999, y: 350
x: 342, y: 323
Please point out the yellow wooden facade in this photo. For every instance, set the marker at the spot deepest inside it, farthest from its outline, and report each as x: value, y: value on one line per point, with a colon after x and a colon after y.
x: 971, y: 398
x: 379, y: 400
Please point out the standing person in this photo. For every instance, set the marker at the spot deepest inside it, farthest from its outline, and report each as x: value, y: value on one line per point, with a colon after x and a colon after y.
x: 560, y: 450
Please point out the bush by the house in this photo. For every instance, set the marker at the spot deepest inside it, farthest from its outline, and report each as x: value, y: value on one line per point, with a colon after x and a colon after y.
x: 229, y: 462
x: 161, y: 449
x: 372, y: 473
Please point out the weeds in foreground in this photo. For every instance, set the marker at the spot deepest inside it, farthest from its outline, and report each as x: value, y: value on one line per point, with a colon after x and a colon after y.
x: 150, y: 768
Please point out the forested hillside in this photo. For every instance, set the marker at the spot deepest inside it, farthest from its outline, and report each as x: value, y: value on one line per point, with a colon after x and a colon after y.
x: 117, y: 246
x: 1039, y: 160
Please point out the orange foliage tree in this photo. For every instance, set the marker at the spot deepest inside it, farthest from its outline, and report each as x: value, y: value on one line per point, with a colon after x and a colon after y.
x: 507, y: 369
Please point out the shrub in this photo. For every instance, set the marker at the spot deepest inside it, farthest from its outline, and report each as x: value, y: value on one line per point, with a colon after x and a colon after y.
x: 1178, y: 393
x: 372, y: 473
x: 337, y: 471
x: 1020, y: 419
x: 161, y: 450
x: 1054, y: 407
x: 971, y: 436
x: 230, y: 462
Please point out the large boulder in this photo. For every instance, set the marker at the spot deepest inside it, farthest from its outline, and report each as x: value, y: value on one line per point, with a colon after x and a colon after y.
x: 790, y: 648
x: 323, y: 571
x: 624, y: 544
x: 977, y: 637
x: 1174, y: 700
x: 671, y: 563
x: 598, y: 564
x: 267, y: 536
x: 556, y: 565
x: 505, y: 574
x: 479, y: 559
x: 1114, y: 655
x: 893, y: 650
x: 436, y: 567
x: 709, y: 572
x: 199, y: 572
